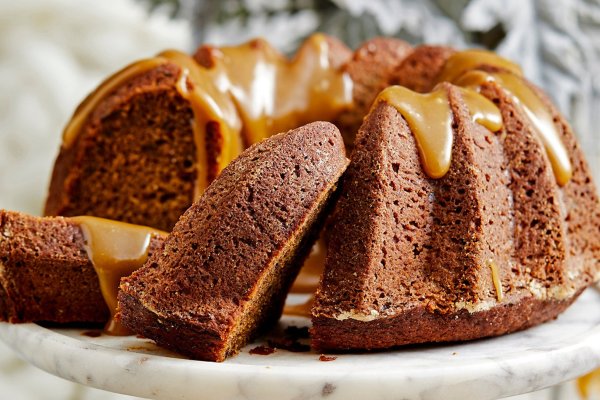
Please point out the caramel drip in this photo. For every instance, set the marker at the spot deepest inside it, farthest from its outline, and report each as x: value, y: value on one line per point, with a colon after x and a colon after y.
x: 273, y: 93
x: 535, y: 110
x: 116, y: 249
x: 430, y: 119
x: 209, y: 104
x: 482, y: 110
x: 587, y: 383
x: 250, y: 90
x: 496, y: 279
x: 468, y: 60
x: 310, y: 274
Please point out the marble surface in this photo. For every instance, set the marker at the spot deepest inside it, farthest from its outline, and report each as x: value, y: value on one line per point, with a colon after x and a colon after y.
x: 484, y: 369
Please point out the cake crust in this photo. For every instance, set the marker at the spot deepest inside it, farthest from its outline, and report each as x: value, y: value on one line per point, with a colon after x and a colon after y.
x: 419, y: 325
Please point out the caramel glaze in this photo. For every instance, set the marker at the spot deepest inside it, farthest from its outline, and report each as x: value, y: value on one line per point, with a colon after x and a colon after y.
x: 116, y: 249
x: 247, y: 93
x: 430, y: 120
x: 496, y: 279
x: 462, y: 69
x: 535, y: 110
x: 468, y: 60
x: 273, y: 94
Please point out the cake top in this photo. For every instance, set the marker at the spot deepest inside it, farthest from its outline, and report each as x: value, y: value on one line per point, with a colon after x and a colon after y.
x: 430, y: 118
x: 476, y: 68
x: 251, y: 91
x: 530, y: 101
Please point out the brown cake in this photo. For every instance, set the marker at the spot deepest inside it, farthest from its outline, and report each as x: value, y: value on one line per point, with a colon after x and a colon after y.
x: 227, y: 265
x: 495, y: 235
x: 468, y: 210
x: 47, y: 271
x: 177, y: 120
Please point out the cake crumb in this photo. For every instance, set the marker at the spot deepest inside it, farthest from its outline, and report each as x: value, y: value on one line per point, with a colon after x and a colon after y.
x: 325, y: 358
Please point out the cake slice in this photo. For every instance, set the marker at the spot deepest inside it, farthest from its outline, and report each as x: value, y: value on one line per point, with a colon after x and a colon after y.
x: 46, y: 273
x: 133, y: 157
x: 227, y: 266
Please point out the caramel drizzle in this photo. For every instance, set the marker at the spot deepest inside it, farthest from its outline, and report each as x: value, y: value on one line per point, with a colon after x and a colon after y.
x: 250, y: 91
x: 496, y: 279
x: 273, y: 93
x: 430, y: 120
x: 468, y: 60
x: 209, y: 104
x: 116, y: 249
x: 462, y: 69
x: 535, y: 110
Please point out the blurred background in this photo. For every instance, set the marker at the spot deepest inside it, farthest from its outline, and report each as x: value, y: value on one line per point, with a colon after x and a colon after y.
x: 54, y: 52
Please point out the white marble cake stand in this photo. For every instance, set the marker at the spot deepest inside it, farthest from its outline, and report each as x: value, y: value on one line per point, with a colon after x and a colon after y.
x: 484, y: 369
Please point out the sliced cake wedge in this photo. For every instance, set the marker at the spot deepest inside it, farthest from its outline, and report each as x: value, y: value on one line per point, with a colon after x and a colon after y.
x: 227, y: 266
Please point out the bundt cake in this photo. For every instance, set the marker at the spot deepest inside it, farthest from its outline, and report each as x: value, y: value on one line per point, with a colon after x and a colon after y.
x: 230, y: 260
x: 497, y: 232
x: 467, y: 210
x: 50, y: 267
